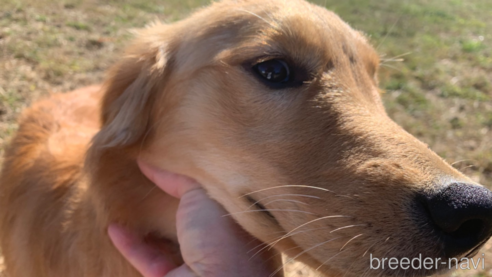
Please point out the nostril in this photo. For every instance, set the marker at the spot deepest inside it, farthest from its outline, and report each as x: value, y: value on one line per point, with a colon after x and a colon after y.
x: 463, y: 215
x: 468, y: 230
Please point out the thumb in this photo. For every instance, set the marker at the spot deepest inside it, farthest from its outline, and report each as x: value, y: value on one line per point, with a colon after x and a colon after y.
x: 173, y: 184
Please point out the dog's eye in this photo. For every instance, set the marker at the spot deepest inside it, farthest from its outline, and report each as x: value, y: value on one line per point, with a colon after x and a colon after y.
x: 273, y: 71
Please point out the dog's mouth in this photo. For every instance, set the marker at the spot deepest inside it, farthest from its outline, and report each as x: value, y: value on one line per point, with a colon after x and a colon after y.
x: 475, y: 250
x: 445, y: 226
x: 261, y: 208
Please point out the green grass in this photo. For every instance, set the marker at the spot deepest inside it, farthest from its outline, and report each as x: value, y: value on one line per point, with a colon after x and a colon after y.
x: 440, y: 92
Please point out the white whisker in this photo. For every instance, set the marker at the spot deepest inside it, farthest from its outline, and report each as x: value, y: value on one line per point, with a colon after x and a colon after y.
x: 392, y: 67
x: 401, y: 55
x: 350, y: 267
x: 460, y: 161
x: 286, y: 194
x: 390, y: 30
x: 286, y: 200
x: 470, y: 166
x: 269, y: 210
x: 395, y: 58
x: 345, y: 227
x: 254, y: 14
x: 265, y: 246
x: 298, y: 255
x: 279, y: 253
x: 328, y: 260
x: 302, y: 225
x: 287, y: 186
x: 350, y: 241
x: 293, y: 234
x: 369, y: 248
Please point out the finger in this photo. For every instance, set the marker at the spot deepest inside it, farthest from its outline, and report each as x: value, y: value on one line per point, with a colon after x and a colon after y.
x: 173, y: 184
x: 212, y: 242
x: 182, y: 271
x: 209, y: 241
x: 149, y: 261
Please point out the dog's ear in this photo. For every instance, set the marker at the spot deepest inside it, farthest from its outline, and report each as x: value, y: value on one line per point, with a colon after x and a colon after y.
x: 131, y: 88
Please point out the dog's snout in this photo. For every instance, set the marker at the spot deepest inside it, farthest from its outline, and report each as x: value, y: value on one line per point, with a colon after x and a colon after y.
x: 463, y: 215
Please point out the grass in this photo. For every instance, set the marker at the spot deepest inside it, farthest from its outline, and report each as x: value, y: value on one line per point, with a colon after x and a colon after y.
x: 441, y: 92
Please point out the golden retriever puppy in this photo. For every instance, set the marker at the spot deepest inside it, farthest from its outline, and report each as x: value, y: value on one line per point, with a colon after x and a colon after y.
x: 274, y: 107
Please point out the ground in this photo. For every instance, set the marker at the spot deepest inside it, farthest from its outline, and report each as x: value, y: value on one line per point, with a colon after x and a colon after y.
x: 437, y: 63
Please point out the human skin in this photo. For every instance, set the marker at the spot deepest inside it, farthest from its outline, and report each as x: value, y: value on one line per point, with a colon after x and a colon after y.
x: 211, y: 244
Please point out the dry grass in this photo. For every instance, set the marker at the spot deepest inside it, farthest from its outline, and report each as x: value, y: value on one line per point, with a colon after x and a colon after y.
x: 441, y: 93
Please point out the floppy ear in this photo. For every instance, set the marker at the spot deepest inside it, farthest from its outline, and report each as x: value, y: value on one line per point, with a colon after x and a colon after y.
x: 131, y: 88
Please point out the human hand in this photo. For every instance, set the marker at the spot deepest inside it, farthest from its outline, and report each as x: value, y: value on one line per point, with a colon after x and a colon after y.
x: 210, y: 244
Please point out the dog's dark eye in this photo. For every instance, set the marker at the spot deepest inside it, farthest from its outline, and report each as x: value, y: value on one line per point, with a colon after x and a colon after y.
x: 273, y: 71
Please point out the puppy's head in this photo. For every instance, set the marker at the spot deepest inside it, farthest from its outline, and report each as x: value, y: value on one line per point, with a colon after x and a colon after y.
x: 274, y: 107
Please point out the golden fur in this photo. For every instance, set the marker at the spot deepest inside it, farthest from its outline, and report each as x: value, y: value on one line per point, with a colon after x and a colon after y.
x: 183, y: 99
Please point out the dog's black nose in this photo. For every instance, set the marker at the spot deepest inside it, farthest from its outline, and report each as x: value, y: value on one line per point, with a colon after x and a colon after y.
x: 463, y: 213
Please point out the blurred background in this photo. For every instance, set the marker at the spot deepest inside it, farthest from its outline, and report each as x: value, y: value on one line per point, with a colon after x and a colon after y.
x: 436, y: 63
